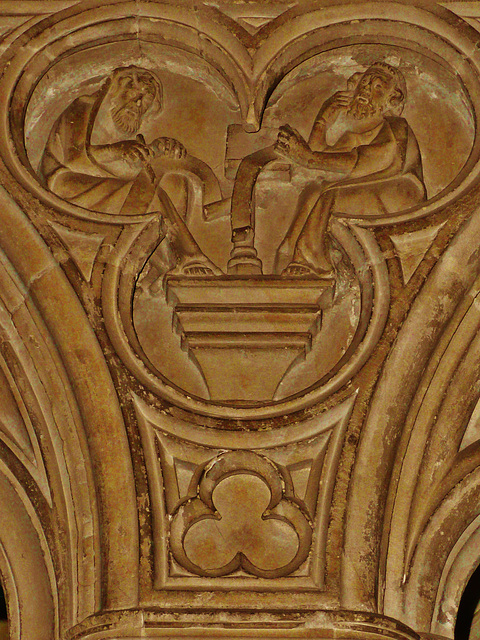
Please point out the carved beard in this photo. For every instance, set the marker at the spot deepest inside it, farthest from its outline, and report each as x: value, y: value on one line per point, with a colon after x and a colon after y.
x: 362, y: 107
x: 126, y: 117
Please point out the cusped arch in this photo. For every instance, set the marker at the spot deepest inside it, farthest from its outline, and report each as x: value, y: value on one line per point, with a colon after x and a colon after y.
x: 73, y: 430
x: 93, y: 24
x: 428, y: 30
x: 26, y: 565
x: 378, y: 524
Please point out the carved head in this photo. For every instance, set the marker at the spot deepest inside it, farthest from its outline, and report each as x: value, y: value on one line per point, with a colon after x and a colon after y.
x: 381, y: 89
x: 132, y: 92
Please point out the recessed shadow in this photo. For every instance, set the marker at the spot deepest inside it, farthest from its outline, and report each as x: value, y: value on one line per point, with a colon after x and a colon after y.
x: 468, y: 603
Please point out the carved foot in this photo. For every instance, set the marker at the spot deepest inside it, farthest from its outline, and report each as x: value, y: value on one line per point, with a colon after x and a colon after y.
x: 296, y: 270
x: 191, y: 269
x: 194, y: 268
x: 197, y: 270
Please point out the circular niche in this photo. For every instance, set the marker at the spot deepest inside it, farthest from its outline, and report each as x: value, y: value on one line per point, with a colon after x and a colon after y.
x: 438, y: 107
x: 195, y: 97
x: 438, y: 110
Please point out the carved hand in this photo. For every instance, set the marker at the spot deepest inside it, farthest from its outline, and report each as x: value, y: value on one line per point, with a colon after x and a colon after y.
x: 292, y: 146
x: 169, y: 148
x: 135, y: 154
x: 336, y: 103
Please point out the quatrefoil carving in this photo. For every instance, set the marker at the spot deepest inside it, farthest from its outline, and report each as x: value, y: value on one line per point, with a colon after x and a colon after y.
x: 242, y: 514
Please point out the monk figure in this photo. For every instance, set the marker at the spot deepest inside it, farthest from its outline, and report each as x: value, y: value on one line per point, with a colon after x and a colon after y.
x: 96, y: 158
x: 374, y: 168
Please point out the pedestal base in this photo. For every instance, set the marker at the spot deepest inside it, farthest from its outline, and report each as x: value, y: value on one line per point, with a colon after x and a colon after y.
x: 245, y: 333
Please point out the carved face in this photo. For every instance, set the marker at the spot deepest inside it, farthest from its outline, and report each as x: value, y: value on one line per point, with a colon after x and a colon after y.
x: 132, y: 94
x: 373, y: 94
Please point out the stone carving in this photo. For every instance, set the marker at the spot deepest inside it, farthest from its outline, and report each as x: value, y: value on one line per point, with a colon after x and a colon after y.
x: 83, y: 247
x: 200, y: 494
x: 377, y: 159
x: 270, y: 319
x: 258, y: 442
x: 92, y: 161
x: 252, y: 332
x: 246, y: 516
x: 111, y: 177
x: 253, y: 19
x: 412, y: 247
x: 362, y: 161
x: 257, y: 327
x: 241, y: 354
x: 373, y: 168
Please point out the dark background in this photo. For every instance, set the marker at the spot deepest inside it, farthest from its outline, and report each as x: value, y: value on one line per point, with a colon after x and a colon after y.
x: 468, y: 604
x: 3, y: 605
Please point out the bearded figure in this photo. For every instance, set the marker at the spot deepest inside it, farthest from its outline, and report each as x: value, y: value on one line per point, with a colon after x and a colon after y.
x: 96, y: 158
x: 374, y: 167
x: 91, y: 159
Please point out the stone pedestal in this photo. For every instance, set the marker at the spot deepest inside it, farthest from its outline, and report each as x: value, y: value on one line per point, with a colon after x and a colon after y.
x: 245, y: 333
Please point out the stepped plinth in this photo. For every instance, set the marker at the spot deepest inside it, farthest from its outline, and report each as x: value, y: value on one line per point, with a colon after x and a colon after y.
x: 244, y: 333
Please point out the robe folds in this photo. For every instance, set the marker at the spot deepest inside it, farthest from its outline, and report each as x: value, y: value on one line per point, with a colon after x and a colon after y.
x: 386, y: 178
x: 69, y: 171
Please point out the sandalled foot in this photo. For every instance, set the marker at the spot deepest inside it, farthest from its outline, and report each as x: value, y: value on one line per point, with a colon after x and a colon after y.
x: 192, y: 269
x: 297, y: 270
x: 195, y: 268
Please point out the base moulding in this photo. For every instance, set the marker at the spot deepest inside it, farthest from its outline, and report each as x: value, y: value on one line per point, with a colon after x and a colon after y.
x: 136, y: 624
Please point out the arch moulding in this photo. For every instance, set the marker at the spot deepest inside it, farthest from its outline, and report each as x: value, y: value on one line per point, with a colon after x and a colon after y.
x: 239, y: 318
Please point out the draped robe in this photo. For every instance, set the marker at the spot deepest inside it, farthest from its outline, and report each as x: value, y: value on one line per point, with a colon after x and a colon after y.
x: 69, y: 170
x: 387, y: 178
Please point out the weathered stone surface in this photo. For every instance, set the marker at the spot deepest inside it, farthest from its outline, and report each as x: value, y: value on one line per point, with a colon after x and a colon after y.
x: 239, y: 285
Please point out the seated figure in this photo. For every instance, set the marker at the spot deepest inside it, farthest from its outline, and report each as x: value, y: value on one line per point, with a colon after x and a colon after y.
x: 374, y: 167
x: 96, y: 159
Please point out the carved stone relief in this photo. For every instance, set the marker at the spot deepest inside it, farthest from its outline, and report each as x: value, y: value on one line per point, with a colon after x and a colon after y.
x: 271, y: 314
x: 253, y: 317
x: 251, y: 212
x: 296, y: 466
